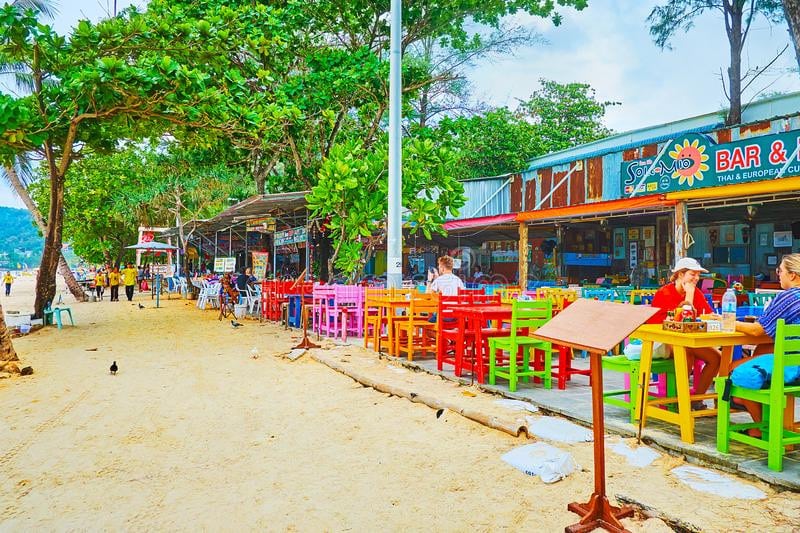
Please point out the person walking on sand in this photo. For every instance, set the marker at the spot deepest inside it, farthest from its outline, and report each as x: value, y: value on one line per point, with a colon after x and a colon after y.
x: 113, y: 283
x: 8, y: 279
x: 100, y: 283
x: 129, y: 275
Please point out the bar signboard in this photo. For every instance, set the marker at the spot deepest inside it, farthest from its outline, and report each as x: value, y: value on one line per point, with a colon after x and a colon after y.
x: 694, y: 161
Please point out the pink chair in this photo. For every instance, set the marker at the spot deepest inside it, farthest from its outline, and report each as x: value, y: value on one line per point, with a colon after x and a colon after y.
x: 345, y: 314
x: 321, y: 296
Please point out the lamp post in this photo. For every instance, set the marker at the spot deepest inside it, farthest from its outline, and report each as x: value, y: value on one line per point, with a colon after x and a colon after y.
x: 394, y: 244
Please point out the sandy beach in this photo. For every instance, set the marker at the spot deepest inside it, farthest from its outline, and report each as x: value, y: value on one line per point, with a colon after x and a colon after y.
x: 194, y: 433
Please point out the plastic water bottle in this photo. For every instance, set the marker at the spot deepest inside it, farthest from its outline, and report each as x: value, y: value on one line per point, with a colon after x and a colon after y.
x: 729, y: 311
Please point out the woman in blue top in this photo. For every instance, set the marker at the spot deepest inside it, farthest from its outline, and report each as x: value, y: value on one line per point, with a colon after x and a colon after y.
x: 786, y: 305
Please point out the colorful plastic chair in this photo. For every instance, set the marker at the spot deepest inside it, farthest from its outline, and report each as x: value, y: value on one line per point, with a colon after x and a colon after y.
x: 525, y: 318
x: 625, y: 397
x: 54, y: 313
x: 778, y: 429
x: 411, y: 333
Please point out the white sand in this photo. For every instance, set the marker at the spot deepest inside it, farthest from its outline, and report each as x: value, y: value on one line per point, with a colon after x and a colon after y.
x: 195, y: 434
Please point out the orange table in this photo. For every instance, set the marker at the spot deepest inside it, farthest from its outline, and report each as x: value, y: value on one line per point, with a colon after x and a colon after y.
x: 388, y: 308
x: 684, y: 417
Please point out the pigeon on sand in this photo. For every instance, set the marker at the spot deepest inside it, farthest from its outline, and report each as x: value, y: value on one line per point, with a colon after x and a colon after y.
x: 113, y: 368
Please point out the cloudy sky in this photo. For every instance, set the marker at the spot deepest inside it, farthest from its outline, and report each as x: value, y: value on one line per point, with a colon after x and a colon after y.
x: 606, y: 45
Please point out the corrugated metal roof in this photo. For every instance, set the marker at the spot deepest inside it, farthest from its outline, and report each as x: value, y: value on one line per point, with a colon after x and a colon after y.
x: 766, y: 109
x: 585, y: 151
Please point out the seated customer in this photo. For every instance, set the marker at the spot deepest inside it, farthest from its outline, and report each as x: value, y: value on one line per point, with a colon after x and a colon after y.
x: 786, y: 305
x: 443, y: 280
x: 682, y: 289
x: 245, y: 281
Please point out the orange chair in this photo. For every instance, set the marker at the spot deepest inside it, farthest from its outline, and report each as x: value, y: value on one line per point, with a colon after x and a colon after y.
x: 411, y: 333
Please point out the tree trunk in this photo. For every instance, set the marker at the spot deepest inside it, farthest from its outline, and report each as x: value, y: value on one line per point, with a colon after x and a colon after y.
x: 19, y: 188
x: 69, y: 278
x: 735, y: 68
x: 324, y: 250
x: 46, y: 282
x: 7, y: 352
x: 791, y: 9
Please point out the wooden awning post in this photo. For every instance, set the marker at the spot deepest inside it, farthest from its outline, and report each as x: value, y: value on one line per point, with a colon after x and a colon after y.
x: 681, y: 230
x: 523, y: 255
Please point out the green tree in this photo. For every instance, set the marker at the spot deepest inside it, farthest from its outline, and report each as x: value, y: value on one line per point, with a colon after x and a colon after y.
x: 351, y: 191
x: 679, y: 15
x: 489, y: 144
x: 565, y: 115
x: 116, y: 79
x: 556, y: 117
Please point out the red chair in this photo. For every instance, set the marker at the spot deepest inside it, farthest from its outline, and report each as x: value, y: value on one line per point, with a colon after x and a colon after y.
x: 447, y: 332
x: 476, y: 360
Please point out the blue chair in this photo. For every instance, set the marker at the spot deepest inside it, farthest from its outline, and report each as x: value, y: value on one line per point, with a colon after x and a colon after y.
x: 710, y: 300
x: 54, y: 313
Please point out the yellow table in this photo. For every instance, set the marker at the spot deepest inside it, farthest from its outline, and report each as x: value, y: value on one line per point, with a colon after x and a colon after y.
x: 684, y: 417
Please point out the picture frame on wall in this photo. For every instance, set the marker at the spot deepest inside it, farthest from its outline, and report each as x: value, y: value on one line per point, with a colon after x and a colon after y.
x: 772, y: 260
x: 730, y: 235
x: 782, y: 239
x: 633, y: 234
x: 649, y: 236
x: 763, y: 239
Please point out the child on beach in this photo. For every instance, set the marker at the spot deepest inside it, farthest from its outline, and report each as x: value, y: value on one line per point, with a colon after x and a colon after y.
x: 100, y: 284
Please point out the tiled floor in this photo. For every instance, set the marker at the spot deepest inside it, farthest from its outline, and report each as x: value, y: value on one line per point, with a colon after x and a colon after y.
x: 575, y: 402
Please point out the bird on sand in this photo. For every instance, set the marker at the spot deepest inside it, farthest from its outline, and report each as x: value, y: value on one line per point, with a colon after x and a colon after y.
x: 113, y: 368
x: 236, y: 324
x: 141, y: 306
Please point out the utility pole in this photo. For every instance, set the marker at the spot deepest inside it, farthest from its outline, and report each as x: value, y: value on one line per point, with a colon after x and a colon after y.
x: 394, y: 244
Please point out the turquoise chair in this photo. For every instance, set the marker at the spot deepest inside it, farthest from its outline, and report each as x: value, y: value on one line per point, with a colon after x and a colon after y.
x: 526, y: 317
x: 778, y: 429
x: 54, y: 313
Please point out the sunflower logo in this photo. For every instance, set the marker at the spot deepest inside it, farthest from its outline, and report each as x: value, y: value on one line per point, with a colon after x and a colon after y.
x: 690, y: 162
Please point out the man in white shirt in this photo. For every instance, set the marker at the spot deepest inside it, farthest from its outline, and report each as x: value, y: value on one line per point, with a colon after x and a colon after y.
x: 443, y: 280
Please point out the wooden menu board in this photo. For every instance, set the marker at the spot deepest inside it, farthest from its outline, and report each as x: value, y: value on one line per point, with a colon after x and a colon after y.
x: 593, y: 325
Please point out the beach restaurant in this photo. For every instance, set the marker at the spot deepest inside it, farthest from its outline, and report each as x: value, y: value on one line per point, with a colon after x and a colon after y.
x: 622, y: 208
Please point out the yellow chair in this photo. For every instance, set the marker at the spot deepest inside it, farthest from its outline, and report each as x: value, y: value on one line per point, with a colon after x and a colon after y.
x: 508, y: 294
x: 416, y: 326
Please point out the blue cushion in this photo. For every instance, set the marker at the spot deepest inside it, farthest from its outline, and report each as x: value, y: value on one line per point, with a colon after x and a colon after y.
x: 756, y: 373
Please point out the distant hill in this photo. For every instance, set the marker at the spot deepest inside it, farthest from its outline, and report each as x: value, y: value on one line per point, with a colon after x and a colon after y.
x: 20, y: 242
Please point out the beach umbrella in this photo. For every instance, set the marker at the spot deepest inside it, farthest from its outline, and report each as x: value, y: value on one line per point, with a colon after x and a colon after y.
x: 152, y: 246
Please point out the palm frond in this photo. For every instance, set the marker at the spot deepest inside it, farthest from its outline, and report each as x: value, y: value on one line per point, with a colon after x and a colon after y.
x: 45, y: 7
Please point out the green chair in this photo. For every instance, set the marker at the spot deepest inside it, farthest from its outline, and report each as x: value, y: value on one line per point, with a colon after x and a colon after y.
x: 778, y: 429
x: 759, y: 299
x: 626, y: 398
x: 55, y: 313
x: 526, y: 316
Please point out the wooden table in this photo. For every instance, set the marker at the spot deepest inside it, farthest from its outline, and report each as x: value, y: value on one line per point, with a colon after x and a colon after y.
x: 478, y: 315
x: 684, y: 417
